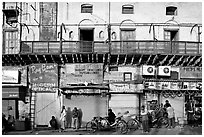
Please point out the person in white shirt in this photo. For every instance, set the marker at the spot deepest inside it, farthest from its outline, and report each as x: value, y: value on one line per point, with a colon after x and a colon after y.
x: 145, y: 120
x: 63, y: 118
x: 171, y: 115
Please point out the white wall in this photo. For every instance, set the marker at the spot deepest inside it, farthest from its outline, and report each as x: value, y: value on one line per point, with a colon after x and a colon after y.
x: 144, y: 12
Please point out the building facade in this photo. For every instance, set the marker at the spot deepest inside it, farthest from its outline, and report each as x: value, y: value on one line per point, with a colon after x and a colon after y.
x: 95, y: 56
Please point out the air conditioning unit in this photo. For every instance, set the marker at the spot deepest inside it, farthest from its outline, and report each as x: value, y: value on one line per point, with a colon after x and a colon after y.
x: 148, y: 70
x: 164, y: 71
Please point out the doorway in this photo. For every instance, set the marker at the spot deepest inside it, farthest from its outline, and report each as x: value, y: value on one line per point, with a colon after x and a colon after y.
x: 86, y: 39
x: 127, y: 37
x: 172, y: 37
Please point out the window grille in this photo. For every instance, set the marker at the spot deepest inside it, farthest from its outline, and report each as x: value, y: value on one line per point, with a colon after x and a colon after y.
x: 171, y: 10
x: 86, y: 8
x: 127, y: 9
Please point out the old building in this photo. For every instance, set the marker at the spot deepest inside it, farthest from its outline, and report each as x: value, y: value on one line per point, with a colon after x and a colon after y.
x: 95, y: 56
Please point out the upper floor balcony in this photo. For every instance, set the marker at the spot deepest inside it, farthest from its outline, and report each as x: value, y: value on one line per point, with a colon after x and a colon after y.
x: 114, y: 47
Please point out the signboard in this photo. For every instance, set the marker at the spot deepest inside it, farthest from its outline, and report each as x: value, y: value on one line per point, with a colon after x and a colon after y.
x: 84, y: 91
x: 191, y: 72
x: 22, y: 74
x: 10, y: 76
x: 128, y: 88
x: 81, y: 73
x: 114, y: 76
x: 44, y: 77
x: 174, y: 85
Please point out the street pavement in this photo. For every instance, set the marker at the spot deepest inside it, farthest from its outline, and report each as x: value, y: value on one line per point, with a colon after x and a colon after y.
x: 186, y: 130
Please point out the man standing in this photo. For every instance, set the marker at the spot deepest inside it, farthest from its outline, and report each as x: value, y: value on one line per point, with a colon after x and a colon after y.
x: 75, y: 116
x: 145, y: 120
x: 63, y: 118
x: 171, y: 115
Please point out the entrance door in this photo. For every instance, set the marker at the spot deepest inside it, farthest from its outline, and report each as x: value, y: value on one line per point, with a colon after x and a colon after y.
x: 86, y: 40
x: 9, y: 108
x: 127, y: 37
x: 172, y: 37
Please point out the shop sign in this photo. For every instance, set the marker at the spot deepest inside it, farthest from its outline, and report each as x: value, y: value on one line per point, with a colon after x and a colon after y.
x: 114, y: 76
x: 192, y: 86
x: 22, y: 74
x: 191, y: 72
x: 84, y: 91
x: 151, y: 85
x: 44, y: 77
x: 174, y: 86
x: 126, y: 88
x: 81, y: 73
x: 10, y: 76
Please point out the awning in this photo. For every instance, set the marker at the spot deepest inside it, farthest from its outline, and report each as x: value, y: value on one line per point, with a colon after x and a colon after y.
x: 82, y: 86
x: 9, y: 92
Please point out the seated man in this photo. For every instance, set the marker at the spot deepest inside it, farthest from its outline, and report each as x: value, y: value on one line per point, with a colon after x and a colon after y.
x: 53, y: 123
x: 111, y: 116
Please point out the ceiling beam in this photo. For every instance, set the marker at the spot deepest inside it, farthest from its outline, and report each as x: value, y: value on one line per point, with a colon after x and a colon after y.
x: 118, y: 58
x: 185, y: 60
x: 81, y: 59
x: 147, y: 62
x: 96, y: 57
x: 161, y: 63
x: 104, y: 58
x: 197, y: 61
x: 30, y: 58
x: 62, y: 59
x: 73, y: 60
x: 45, y: 58
x: 171, y: 60
x: 191, y: 60
x: 92, y: 60
x: 125, y: 60
x: 66, y: 58
x: 154, y: 60
x: 77, y: 59
x: 133, y: 57
x: 140, y: 60
x: 88, y: 58
x: 37, y: 58
x: 179, y: 60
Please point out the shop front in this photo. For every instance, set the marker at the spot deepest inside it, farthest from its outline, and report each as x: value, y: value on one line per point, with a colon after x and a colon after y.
x: 91, y: 100
x: 125, y: 97
x: 15, y: 106
x: 82, y: 87
x: 45, y: 100
x: 176, y: 92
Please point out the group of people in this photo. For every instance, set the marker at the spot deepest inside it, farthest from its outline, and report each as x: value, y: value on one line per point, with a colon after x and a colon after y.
x: 166, y: 111
x: 7, y: 124
x: 68, y: 119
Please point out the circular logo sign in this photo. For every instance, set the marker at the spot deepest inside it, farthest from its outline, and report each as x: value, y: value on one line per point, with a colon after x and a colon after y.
x: 150, y: 70
x: 166, y: 70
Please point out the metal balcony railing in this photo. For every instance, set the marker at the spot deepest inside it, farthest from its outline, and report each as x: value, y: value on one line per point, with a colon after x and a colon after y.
x: 115, y: 47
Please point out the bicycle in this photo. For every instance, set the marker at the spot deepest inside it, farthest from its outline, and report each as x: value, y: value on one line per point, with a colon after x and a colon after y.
x: 99, y: 123
x: 134, y: 123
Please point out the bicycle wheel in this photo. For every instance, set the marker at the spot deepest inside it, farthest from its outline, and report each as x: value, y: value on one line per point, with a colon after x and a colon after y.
x: 163, y: 121
x: 89, y: 126
x: 121, y: 127
x: 133, y: 124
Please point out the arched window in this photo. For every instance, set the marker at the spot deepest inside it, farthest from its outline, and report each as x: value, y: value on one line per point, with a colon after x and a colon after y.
x: 127, y: 9
x: 101, y: 34
x: 71, y: 35
x: 86, y: 8
x: 113, y: 35
x: 171, y: 10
